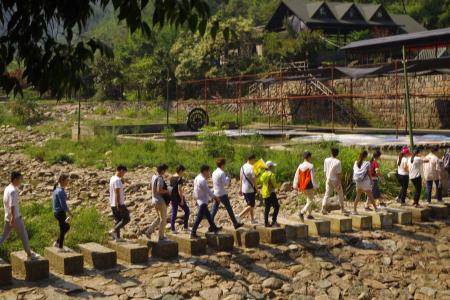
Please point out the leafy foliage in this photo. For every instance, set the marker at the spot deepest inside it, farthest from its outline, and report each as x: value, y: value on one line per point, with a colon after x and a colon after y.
x: 43, y: 35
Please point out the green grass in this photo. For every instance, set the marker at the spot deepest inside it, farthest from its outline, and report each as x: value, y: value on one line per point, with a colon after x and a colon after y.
x: 93, y: 152
x: 87, y: 225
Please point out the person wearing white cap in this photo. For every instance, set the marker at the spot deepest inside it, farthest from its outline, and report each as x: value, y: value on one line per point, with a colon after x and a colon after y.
x: 269, y: 185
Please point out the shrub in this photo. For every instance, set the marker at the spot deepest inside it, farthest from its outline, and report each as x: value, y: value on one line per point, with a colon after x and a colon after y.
x: 216, y: 143
x: 87, y: 225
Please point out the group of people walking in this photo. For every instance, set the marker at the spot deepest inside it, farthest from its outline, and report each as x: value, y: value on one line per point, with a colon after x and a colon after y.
x: 366, y: 176
x: 412, y: 166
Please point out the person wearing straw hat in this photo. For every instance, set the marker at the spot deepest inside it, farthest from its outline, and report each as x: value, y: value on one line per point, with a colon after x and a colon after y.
x: 269, y: 185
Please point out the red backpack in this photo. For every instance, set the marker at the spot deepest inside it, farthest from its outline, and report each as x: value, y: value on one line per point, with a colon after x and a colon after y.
x: 304, y: 180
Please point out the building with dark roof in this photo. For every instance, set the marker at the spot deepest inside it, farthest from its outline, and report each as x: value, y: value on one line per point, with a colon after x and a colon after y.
x: 340, y: 18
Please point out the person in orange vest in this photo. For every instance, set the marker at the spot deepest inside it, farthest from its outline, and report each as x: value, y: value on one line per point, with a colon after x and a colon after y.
x: 305, y: 183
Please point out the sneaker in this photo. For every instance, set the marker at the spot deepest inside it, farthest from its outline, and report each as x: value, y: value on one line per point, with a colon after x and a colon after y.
x: 238, y: 225
x: 186, y: 230
x: 417, y: 206
x: 382, y: 204
x: 354, y: 213
x: 67, y: 249
x: 267, y: 225
x: 397, y: 199
x: 254, y: 222
x: 194, y: 236
x: 55, y: 244
x: 113, y: 234
x: 324, y: 212
x: 33, y: 256
x: 367, y: 208
x: 310, y: 217
x: 119, y: 240
x: 345, y: 212
x: 301, y: 216
x: 174, y: 231
x: 276, y: 225
x: 163, y: 238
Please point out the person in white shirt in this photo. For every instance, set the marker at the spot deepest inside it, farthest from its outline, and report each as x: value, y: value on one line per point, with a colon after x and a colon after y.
x: 248, y: 187
x: 160, y: 199
x: 415, y: 167
x: 305, y: 182
x: 432, y: 173
x: 403, y: 174
x: 220, y: 181
x: 333, y: 169
x: 13, y: 219
x: 117, y: 202
x: 202, y: 194
x: 363, y: 182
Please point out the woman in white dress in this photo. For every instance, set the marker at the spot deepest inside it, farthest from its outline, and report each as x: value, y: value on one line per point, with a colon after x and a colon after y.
x: 363, y: 181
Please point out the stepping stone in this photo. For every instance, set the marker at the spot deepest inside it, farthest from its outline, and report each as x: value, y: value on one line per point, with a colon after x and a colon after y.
x: 221, y: 241
x: 5, y: 273
x: 67, y: 263
x: 244, y: 237
x: 31, y: 270
x: 269, y: 235
x: 98, y: 256
x: 166, y: 249
x: 380, y: 220
x: 361, y: 222
x: 338, y: 223
x: 438, y: 210
x: 294, y: 230
x: 422, y: 214
x: 316, y: 227
x: 400, y: 216
x: 132, y: 253
x: 187, y: 245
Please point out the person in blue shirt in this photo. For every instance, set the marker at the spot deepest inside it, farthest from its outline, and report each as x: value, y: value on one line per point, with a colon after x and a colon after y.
x: 61, y: 210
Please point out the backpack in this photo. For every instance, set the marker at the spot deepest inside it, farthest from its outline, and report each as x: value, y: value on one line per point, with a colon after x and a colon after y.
x: 447, y: 161
x: 304, y: 180
x: 361, y: 174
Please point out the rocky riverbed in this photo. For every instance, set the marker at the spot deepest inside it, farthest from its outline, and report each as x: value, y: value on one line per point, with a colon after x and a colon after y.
x: 406, y: 262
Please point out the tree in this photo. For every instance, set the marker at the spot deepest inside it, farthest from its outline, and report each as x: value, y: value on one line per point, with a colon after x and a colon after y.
x: 45, y: 36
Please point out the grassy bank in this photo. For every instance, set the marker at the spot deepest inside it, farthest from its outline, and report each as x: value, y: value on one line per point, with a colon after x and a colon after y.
x: 105, y: 151
x: 87, y: 225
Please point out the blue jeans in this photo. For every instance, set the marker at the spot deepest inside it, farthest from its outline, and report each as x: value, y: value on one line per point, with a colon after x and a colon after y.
x: 429, y: 190
x: 203, y: 212
x: 175, y: 204
x: 226, y: 202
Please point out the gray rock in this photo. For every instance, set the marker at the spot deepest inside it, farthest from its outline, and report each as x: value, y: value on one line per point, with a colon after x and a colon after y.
x: 272, y: 283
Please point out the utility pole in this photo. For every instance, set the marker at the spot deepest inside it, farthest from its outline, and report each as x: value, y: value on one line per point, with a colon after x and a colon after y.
x: 407, y: 101
x: 79, y: 119
x: 167, y: 97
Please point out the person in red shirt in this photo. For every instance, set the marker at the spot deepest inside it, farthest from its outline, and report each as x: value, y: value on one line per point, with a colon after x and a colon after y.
x: 376, y: 176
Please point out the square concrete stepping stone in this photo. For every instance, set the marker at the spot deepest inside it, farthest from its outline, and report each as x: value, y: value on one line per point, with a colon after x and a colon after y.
x: 244, y: 237
x: 316, y: 227
x: 338, y: 223
x: 400, y: 216
x: 166, y: 249
x: 438, y: 210
x: 380, y: 220
x: 220, y: 241
x: 132, y: 253
x: 422, y: 214
x: 5, y: 273
x: 361, y: 222
x: 98, y: 256
x: 294, y: 230
x: 31, y: 270
x: 187, y: 245
x: 269, y: 235
x: 67, y: 263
